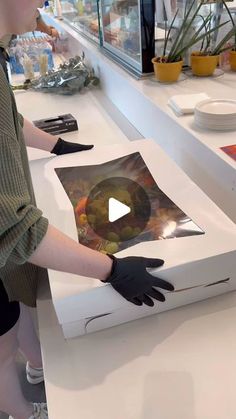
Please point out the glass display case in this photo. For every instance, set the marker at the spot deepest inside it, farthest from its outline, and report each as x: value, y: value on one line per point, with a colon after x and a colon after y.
x: 132, y: 32
x: 82, y: 15
x: 127, y: 28
x: 124, y: 28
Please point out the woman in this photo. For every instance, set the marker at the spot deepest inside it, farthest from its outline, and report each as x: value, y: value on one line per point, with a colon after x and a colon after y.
x: 5, y: 41
x: 41, y: 27
x: 28, y: 243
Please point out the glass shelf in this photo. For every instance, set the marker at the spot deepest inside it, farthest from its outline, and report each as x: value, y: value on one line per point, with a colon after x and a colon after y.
x: 82, y: 15
x: 127, y: 28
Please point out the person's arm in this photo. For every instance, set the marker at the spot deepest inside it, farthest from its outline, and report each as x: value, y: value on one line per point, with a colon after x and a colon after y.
x: 128, y: 276
x: 25, y: 234
x: 43, y: 27
x: 59, y: 252
x: 36, y: 138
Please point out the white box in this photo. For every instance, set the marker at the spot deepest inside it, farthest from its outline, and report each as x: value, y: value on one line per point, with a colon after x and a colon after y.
x: 193, y: 264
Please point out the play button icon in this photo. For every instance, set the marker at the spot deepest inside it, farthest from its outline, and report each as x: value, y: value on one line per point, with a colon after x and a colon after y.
x: 117, y: 210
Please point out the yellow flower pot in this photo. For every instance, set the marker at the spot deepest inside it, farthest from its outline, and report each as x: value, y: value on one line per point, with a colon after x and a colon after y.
x: 232, y: 60
x: 203, y: 65
x: 167, y: 72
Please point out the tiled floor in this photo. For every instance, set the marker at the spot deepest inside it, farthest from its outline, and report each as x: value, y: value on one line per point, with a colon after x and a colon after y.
x: 31, y: 392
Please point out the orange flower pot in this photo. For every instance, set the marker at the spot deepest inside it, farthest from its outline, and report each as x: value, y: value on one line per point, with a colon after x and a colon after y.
x: 203, y: 65
x: 167, y: 72
x: 232, y: 60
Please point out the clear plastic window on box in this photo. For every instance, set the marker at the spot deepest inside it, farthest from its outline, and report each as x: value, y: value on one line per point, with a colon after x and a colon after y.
x: 89, y: 189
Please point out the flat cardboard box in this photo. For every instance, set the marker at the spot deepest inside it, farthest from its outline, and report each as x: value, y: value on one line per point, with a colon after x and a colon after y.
x: 199, y: 267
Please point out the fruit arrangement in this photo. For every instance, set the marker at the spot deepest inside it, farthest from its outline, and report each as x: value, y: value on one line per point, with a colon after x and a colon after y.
x: 166, y: 220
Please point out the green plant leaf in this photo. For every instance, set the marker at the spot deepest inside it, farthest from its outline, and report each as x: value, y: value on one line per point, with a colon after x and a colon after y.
x: 195, y: 39
x: 184, y: 28
x: 231, y: 17
x: 169, y: 31
x: 221, y: 44
x: 182, y: 43
x: 206, y: 22
x: 227, y: 48
x: 228, y: 11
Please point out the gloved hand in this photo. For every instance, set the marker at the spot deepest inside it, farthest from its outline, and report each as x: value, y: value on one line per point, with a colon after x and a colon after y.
x: 65, y: 147
x: 130, y: 278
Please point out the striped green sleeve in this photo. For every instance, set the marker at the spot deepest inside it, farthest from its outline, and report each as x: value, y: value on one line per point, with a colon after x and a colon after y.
x: 22, y: 226
x: 21, y: 119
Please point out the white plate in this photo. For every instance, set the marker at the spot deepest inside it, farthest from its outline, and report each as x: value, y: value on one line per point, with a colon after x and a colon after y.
x: 215, y: 127
x: 220, y: 107
x: 228, y: 120
x: 217, y: 122
x: 221, y: 123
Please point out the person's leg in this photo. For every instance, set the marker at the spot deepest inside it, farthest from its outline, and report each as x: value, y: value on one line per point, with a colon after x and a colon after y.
x: 12, y: 400
x: 28, y: 340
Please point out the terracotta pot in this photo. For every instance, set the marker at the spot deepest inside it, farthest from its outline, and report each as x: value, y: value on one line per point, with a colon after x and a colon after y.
x: 232, y: 60
x: 167, y: 72
x: 203, y: 65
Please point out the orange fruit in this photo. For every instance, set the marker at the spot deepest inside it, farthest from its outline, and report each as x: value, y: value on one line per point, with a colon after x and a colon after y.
x: 81, y: 204
x: 83, y: 219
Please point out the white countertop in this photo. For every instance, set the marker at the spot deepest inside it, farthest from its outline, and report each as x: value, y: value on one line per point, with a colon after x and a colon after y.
x: 221, y: 87
x: 95, y: 115
x: 144, y: 103
x: 217, y: 88
x: 177, y: 365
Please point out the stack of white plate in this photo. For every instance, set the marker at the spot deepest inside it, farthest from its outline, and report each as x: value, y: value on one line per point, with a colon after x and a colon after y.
x: 216, y: 114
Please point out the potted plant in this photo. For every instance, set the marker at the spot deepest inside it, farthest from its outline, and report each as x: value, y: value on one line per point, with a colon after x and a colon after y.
x: 166, y: 69
x: 168, y: 66
x: 204, y: 61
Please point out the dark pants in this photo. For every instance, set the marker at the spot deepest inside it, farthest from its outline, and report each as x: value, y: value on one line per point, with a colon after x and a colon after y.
x: 9, y: 312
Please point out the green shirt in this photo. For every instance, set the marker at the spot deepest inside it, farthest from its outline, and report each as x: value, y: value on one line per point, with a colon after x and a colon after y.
x: 5, y: 41
x: 22, y: 226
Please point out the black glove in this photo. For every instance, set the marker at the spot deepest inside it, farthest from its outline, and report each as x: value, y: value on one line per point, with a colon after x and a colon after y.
x: 65, y: 147
x: 130, y: 278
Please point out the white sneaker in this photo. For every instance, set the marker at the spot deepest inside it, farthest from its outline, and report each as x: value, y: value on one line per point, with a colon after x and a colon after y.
x: 34, y: 375
x: 40, y: 411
